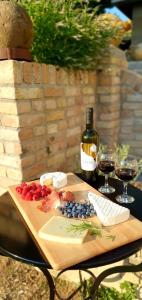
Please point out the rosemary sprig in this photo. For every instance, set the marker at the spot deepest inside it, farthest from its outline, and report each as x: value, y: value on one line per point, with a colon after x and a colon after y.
x: 91, y: 227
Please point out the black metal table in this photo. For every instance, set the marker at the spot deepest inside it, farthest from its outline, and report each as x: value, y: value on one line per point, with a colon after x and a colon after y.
x: 28, y: 252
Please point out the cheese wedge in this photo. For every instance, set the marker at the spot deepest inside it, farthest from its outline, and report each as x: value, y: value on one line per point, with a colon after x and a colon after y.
x: 57, y: 229
x: 58, y: 179
x: 108, y: 213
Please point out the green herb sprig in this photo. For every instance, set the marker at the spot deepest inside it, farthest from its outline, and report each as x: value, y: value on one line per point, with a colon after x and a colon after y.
x: 93, y: 229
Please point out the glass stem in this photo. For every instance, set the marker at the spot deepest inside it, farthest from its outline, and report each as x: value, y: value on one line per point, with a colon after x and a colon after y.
x: 125, y: 185
x: 106, y: 180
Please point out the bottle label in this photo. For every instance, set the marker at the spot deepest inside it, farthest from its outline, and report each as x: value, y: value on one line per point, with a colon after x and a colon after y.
x: 88, y: 156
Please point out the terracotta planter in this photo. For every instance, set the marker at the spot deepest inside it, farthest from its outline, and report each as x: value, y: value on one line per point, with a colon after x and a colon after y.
x: 136, y: 52
x: 15, y: 53
x: 16, y: 32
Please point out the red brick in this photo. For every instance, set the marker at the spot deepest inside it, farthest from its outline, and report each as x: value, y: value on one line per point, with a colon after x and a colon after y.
x: 53, y: 91
x: 55, y: 115
x: 45, y: 76
x: 10, y: 121
x: 25, y: 134
x: 51, y: 74
x: 27, y: 72
x: 36, y: 73
x: 36, y: 170
x: 27, y: 120
x: 61, y: 76
x: 13, y: 148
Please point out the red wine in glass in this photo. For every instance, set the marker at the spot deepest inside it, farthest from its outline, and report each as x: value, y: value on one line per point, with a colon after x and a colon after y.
x: 125, y: 174
x: 126, y: 170
x: 106, y: 164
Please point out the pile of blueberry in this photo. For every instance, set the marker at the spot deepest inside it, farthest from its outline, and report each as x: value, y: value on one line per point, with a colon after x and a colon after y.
x: 77, y: 210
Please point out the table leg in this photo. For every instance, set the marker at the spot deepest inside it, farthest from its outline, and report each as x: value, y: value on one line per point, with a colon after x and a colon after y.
x: 50, y: 282
x: 82, y: 287
x: 117, y: 269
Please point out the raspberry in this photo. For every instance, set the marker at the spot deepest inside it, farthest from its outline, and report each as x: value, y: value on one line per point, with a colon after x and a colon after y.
x: 23, y: 184
x: 19, y: 189
x: 35, y: 197
x: 28, y: 197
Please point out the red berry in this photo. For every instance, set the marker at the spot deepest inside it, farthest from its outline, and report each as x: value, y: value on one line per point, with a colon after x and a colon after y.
x: 28, y: 197
x: 43, y: 193
x: 19, y: 190
x: 35, y: 197
x: 23, y: 184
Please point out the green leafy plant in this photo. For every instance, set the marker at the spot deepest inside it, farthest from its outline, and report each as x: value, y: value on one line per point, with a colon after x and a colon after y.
x: 65, y: 35
x: 127, y: 291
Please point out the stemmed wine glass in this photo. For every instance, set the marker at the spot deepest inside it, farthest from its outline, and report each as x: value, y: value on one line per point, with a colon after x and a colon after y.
x: 126, y: 169
x: 106, y: 164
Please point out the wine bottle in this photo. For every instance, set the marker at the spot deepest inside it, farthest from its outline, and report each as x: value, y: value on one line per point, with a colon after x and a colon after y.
x: 89, y: 148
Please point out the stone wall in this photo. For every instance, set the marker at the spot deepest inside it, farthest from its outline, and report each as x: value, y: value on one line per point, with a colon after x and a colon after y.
x: 42, y: 114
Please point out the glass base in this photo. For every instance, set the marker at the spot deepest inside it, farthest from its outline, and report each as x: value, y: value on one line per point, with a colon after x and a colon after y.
x: 125, y: 198
x: 106, y: 189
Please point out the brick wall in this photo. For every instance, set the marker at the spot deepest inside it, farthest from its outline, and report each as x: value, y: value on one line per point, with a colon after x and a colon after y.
x: 119, y: 102
x: 131, y: 111
x: 42, y: 113
x: 108, y: 93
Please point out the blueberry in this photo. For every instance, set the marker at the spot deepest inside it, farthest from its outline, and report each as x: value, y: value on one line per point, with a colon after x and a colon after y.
x: 83, y: 216
x: 73, y: 208
x: 69, y: 215
x: 87, y: 213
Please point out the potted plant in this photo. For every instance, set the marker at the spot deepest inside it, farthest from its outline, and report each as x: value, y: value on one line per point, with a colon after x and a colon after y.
x: 16, y: 32
x: 67, y: 35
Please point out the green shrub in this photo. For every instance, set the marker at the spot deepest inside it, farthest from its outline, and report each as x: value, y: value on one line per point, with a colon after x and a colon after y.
x: 127, y: 291
x: 65, y: 35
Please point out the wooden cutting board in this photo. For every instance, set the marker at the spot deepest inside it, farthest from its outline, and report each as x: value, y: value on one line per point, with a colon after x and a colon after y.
x: 61, y: 256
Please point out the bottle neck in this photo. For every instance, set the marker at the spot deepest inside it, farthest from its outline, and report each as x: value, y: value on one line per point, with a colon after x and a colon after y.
x: 89, y: 126
x: 89, y: 118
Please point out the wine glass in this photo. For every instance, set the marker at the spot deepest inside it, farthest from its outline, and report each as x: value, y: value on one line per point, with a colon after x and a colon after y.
x: 126, y: 169
x: 106, y: 164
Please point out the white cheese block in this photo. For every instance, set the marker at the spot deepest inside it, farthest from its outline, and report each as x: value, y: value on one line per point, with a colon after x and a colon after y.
x: 108, y: 213
x: 57, y: 229
x: 46, y: 179
x: 58, y: 179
